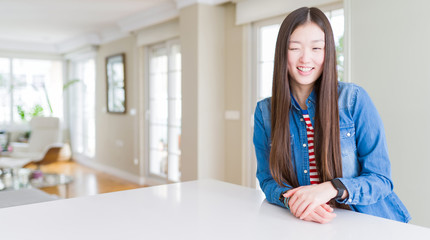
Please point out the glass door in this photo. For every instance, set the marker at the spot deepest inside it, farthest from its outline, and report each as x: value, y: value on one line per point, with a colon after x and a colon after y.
x: 165, y: 109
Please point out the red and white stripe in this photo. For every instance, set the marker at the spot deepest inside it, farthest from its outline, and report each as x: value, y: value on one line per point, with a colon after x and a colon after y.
x: 313, y: 173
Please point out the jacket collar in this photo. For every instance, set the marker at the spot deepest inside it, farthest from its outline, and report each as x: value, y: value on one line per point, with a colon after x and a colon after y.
x: 312, y: 98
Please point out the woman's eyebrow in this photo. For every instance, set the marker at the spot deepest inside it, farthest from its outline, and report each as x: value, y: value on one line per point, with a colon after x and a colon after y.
x: 314, y: 41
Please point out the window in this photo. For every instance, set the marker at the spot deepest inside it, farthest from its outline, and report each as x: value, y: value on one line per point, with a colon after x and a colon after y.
x: 81, y: 89
x: 165, y: 105
x: 267, y: 32
x: 336, y: 18
x: 267, y: 35
x: 30, y: 87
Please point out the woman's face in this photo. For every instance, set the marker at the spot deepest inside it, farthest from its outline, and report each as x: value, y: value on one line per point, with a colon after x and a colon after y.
x: 306, y: 54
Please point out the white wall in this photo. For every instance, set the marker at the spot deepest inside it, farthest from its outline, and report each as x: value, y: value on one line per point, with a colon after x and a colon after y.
x: 390, y: 58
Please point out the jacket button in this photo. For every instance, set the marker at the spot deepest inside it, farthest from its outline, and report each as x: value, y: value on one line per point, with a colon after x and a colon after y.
x: 348, y: 134
x: 306, y: 171
x: 304, y: 145
x: 301, y: 119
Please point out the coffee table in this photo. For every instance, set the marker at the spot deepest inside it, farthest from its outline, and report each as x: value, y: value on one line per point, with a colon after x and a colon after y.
x: 18, y: 178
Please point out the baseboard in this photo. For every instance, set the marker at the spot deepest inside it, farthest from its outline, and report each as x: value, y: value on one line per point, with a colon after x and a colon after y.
x: 110, y: 170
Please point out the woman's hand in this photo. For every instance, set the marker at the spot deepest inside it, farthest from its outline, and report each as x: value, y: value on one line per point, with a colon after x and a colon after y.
x: 322, y: 214
x: 305, y: 200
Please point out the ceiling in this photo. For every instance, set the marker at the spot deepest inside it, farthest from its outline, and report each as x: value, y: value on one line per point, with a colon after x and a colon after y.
x: 52, y: 23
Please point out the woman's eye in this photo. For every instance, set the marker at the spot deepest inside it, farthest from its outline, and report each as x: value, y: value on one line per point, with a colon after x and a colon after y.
x: 316, y: 48
x: 293, y: 49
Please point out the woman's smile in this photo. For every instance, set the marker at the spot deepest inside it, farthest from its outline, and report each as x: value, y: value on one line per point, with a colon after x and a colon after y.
x: 305, y: 71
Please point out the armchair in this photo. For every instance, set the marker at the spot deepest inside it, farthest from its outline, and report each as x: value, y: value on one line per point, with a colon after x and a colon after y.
x: 44, y: 143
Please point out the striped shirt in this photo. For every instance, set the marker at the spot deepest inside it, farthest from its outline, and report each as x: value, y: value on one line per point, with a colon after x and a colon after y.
x: 313, y: 173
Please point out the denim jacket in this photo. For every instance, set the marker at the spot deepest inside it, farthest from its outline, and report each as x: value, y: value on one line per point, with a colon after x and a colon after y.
x: 365, y: 162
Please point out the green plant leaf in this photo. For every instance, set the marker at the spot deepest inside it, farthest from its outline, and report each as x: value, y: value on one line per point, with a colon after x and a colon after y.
x: 36, y: 111
x: 70, y: 83
x: 21, y: 112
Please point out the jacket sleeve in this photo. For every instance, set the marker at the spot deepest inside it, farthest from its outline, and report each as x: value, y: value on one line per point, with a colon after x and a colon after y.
x: 374, y: 180
x: 262, y: 150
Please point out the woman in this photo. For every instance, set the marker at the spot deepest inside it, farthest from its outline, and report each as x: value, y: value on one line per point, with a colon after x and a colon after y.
x: 319, y: 141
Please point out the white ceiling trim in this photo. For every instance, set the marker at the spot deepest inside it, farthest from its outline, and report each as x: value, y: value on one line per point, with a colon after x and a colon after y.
x: 112, y: 34
x: 185, y: 3
x: 155, y: 15
x: 123, y: 28
x: 83, y: 53
x: 161, y: 32
x: 79, y: 42
x: 11, y: 45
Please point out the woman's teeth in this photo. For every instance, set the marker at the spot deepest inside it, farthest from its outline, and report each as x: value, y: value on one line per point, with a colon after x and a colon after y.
x: 304, y: 69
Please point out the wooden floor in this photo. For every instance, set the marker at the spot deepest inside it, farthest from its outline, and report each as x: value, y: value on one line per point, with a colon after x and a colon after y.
x: 86, y: 181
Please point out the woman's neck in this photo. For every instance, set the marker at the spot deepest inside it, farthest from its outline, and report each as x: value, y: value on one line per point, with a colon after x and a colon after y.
x: 301, y: 93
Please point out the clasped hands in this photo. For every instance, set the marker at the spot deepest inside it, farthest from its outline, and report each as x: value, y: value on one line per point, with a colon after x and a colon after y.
x: 309, y: 203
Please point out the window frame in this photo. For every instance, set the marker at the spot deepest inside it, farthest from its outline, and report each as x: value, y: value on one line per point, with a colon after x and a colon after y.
x: 168, y: 46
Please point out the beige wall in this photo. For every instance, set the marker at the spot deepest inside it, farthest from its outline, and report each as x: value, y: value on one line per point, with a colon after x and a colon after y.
x: 202, y: 31
x: 211, y: 74
x: 389, y: 58
x: 189, y: 139
x: 233, y: 96
x: 116, y: 134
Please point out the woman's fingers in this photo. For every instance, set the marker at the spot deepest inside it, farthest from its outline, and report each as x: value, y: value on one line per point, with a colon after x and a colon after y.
x: 321, y: 211
x: 314, y: 218
x: 327, y: 207
x: 320, y: 215
x: 304, y: 211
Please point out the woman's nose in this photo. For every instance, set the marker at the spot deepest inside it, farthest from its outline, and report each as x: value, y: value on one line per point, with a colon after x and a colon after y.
x: 305, y: 56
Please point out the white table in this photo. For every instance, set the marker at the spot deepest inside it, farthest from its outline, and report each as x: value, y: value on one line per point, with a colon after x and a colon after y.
x: 192, y: 210
x: 10, y: 198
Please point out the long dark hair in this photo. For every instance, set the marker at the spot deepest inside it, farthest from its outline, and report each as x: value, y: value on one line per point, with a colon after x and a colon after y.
x: 327, y: 133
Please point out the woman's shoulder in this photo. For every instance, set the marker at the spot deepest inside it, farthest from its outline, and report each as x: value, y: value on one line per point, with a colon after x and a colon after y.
x: 348, y: 93
x: 264, y: 107
x: 264, y: 104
